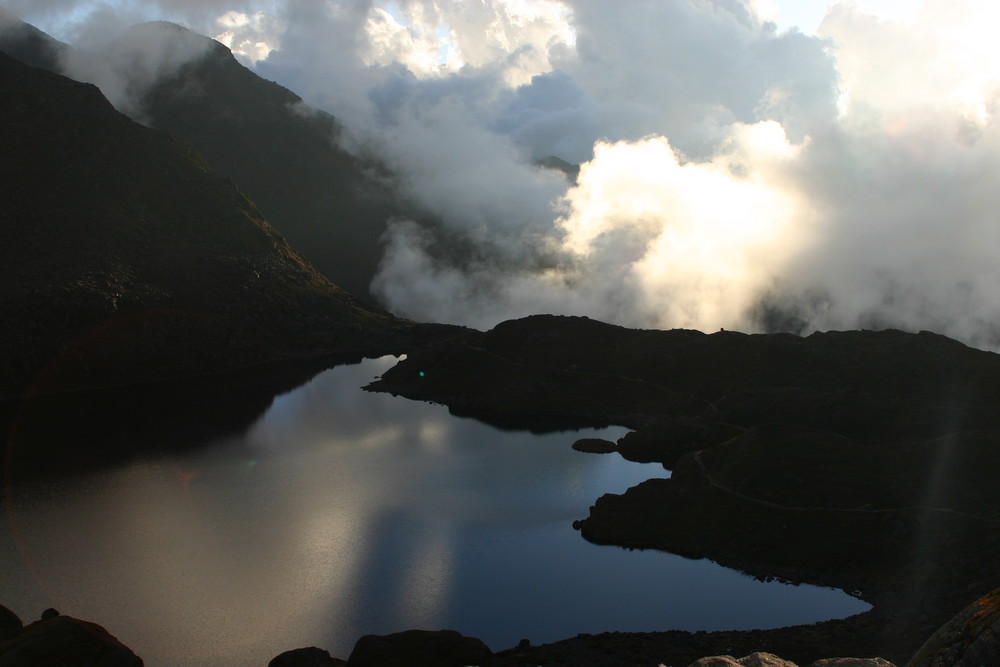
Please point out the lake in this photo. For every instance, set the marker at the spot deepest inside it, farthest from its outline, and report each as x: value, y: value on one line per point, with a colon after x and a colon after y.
x: 340, y: 512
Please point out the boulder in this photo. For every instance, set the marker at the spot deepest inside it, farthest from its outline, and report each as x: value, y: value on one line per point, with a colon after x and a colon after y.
x: 716, y: 661
x: 306, y: 657
x: 420, y: 648
x: 764, y: 660
x: 752, y: 660
x: 970, y: 639
x: 61, y: 641
x: 10, y: 624
x: 852, y: 662
x: 595, y: 446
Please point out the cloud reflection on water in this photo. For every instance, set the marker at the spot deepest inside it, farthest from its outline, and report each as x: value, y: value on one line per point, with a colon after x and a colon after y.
x: 366, y: 513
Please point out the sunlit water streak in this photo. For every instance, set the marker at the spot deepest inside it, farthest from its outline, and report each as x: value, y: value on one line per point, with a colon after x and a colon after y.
x: 341, y: 513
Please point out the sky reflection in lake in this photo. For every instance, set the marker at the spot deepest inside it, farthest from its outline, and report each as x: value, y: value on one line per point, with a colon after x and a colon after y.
x: 341, y: 513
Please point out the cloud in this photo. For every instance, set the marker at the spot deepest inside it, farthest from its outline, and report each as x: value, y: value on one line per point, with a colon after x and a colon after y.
x: 907, y: 234
x: 251, y: 37
x: 733, y: 174
x: 812, y: 191
x: 643, y: 239
x: 126, y: 67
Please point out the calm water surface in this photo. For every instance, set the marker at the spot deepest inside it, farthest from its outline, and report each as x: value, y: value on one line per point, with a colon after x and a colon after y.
x: 341, y: 513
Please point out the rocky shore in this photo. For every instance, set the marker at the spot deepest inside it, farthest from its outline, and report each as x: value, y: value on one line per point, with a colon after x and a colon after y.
x: 968, y: 639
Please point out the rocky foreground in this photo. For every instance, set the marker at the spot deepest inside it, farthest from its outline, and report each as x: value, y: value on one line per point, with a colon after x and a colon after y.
x: 970, y: 639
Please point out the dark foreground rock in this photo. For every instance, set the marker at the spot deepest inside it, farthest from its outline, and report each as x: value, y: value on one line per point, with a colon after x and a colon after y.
x: 970, y: 639
x: 60, y: 641
x: 613, y: 650
x: 306, y: 657
x: 10, y: 624
x: 752, y: 660
x: 420, y: 648
x: 771, y: 660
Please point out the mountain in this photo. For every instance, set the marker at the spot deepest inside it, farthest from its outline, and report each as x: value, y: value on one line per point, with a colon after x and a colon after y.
x: 29, y: 44
x: 330, y: 205
x: 124, y: 257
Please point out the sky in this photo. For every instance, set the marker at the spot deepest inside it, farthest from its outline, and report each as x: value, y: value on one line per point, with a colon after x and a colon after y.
x: 756, y: 165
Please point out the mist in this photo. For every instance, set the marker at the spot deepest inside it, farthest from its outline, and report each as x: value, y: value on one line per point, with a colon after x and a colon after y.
x: 732, y: 173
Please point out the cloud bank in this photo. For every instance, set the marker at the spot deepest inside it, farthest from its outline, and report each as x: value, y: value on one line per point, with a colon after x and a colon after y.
x: 732, y: 174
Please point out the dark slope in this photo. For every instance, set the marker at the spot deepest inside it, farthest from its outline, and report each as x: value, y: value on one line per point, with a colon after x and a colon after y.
x: 29, y: 44
x: 124, y: 257
x: 330, y: 205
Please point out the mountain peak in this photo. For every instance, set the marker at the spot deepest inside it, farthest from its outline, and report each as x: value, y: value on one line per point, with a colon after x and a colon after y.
x: 168, y: 35
x: 29, y: 44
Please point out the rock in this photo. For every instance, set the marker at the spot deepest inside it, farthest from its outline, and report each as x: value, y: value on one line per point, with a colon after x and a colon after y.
x: 420, y: 648
x: 10, y: 624
x: 305, y: 657
x: 752, y: 660
x: 716, y: 661
x: 764, y: 660
x: 62, y: 641
x: 595, y: 446
x: 970, y: 639
x: 852, y: 662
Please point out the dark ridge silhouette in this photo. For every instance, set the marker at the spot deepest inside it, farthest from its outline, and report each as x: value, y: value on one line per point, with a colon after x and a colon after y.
x: 329, y: 204
x: 125, y: 258
x: 29, y: 44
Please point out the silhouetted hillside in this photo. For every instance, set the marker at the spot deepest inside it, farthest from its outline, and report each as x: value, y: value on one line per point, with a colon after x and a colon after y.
x: 125, y: 257
x: 283, y: 154
x: 29, y: 44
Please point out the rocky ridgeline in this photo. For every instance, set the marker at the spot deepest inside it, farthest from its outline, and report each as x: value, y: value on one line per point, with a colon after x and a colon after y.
x: 447, y: 648
x: 970, y: 639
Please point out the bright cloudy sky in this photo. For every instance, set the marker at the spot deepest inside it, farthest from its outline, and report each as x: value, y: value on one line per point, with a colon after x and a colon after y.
x: 735, y: 173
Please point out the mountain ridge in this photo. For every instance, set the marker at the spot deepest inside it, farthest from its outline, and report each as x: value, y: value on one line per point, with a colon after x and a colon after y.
x: 29, y: 44
x: 331, y: 205
x: 125, y: 257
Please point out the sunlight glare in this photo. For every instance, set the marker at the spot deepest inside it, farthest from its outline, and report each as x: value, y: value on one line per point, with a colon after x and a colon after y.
x: 712, y: 234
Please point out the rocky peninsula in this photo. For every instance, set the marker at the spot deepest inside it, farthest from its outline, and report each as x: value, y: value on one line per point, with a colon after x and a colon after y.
x: 860, y: 460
